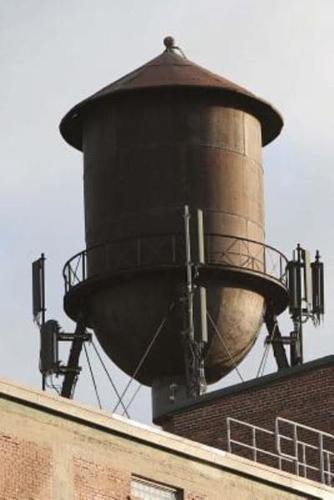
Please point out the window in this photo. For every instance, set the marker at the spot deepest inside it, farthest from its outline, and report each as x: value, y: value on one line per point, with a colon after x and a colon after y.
x: 141, y: 489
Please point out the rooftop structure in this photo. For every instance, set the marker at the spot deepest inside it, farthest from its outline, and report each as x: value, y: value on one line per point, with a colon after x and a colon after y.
x: 52, y: 448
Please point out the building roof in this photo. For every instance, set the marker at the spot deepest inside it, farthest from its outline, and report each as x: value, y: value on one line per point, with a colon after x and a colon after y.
x: 172, y: 69
x: 51, y: 415
x: 249, y: 385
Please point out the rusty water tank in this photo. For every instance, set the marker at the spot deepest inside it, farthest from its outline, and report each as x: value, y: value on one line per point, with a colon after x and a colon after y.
x: 168, y: 134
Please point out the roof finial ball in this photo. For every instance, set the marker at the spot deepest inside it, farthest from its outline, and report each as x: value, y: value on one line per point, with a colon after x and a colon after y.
x: 169, y: 42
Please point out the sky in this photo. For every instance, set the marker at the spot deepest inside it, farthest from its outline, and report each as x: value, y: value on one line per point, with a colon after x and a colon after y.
x: 54, y: 53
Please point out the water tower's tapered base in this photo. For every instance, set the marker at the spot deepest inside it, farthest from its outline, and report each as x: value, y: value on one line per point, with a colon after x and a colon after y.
x: 127, y: 308
x: 125, y: 318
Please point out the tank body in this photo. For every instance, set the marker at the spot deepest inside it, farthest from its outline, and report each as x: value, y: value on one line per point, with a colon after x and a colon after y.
x: 146, y: 155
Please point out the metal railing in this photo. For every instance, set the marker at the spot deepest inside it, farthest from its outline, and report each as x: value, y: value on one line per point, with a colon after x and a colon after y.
x: 169, y: 249
x: 313, y: 443
x: 307, y: 459
x: 253, y: 445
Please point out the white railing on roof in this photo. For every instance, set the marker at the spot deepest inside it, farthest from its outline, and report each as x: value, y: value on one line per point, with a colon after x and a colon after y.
x: 309, y: 451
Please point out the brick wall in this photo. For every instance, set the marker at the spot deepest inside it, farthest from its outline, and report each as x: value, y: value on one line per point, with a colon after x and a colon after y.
x: 304, y: 394
x: 94, y: 480
x: 51, y: 448
x: 25, y: 469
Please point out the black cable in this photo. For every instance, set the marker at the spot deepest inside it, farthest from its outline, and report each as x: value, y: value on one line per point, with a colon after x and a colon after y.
x: 224, y: 345
x: 92, y: 376
x: 110, y: 380
x: 133, y: 397
x: 147, y: 351
x: 51, y: 385
x: 266, y: 352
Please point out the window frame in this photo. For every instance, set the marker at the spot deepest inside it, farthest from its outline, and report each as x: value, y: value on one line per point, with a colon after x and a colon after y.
x: 178, y: 493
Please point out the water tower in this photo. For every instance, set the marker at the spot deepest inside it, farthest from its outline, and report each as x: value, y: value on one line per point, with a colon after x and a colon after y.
x: 176, y: 277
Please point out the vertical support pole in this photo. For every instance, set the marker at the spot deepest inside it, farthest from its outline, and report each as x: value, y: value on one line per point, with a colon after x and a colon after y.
x: 190, y: 297
x: 200, y: 237
x: 229, y: 444
x: 295, y: 445
x: 254, y: 444
x: 196, y: 327
x: 201, y: 328
x: 322, y: 464
x: 327, y: 472
x: 300, y: 319
x: 296, y: 345
x: 304, y: 460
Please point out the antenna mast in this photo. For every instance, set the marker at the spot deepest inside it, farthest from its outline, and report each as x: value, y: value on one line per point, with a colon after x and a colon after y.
x: 306, y: 290
x: 51, y: 335
x: 196, y: 335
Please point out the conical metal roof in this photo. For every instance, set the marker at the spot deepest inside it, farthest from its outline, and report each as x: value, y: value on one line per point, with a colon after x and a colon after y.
x: 173, y: 70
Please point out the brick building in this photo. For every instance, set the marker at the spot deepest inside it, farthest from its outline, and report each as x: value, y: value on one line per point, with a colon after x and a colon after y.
x: 52, y: 448
x: 304, y: 393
